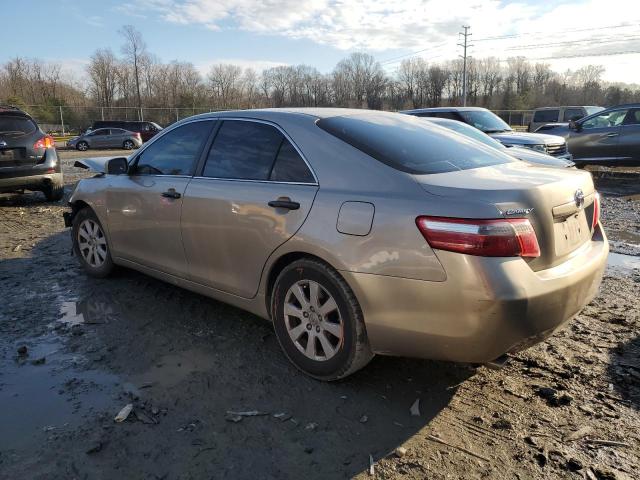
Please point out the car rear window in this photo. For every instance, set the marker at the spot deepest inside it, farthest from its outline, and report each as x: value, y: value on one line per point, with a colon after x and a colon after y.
x: 547, y: 116
x: 410, y: 144
x: 10, y: 125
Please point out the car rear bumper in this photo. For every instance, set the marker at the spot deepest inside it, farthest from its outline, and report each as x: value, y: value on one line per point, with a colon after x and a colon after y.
x: 32, y: 177
x: 30, y: 182
x: 485, y: 308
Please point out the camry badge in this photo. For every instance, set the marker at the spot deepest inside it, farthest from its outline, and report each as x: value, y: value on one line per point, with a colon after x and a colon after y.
x: 519, y: 211
x: 579, y: 198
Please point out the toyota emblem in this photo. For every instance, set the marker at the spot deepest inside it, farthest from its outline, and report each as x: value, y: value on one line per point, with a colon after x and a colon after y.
x: 579, y: 198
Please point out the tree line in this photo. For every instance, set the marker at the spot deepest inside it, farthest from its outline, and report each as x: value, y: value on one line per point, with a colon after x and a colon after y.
x: 138, y: 79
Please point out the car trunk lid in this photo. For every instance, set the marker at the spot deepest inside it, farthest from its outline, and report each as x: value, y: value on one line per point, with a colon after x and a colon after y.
x: 558, y: 202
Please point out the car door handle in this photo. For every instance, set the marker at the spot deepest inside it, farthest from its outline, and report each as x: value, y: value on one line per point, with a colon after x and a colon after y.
x: 171, y: 193
x: 284, y: 203
x: 612, y: 134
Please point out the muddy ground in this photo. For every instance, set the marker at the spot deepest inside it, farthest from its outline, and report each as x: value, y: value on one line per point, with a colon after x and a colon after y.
x: 568, y: 408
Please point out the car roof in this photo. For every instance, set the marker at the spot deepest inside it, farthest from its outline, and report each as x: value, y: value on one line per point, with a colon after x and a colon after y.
x: 11, y: 110
x: 274, y: 113
x: 445, y: 109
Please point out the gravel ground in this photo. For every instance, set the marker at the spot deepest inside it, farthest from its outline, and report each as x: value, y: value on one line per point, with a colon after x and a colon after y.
x: 567, y: 408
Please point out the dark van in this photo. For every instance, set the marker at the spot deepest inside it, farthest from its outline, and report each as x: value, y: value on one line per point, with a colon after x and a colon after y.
x: 146, y: 129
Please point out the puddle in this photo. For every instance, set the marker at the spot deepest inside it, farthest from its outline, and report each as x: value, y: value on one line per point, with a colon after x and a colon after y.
x: 40, y: 400
x: 622, y: 262
x: 173, y: 368
x: 89, y: 312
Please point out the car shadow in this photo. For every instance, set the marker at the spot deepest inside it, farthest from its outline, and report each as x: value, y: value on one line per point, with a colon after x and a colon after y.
x: 624, y: 371
x: 184, y: 361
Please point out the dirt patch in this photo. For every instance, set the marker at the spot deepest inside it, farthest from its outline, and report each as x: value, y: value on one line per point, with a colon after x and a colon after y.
x: 74, y: 351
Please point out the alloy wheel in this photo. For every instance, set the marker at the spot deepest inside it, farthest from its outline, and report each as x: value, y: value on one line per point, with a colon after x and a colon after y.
x: 313, y: 320
x: 92, y: 243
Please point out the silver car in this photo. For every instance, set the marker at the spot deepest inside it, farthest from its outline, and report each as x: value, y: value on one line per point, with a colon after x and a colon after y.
x: 355, y: 232
x: 106, y: 138
x: 524, y: 154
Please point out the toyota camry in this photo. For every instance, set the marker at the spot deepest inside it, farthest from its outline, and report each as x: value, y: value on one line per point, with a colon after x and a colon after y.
x: 355, y: 232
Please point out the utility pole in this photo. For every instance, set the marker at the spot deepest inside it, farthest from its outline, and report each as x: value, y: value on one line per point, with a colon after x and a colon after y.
x: 464, y: 45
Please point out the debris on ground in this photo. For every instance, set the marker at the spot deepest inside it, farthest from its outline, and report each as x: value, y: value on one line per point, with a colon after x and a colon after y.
x: 124, y: 413
x: 415, y: 408
x: 400, y: 452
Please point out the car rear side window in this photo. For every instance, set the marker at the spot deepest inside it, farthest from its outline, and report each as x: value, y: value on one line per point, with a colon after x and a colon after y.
x: 243, y: 150
x: 572, y: 114
x: 176, y: 152
x: 411, y: 145
x: 546, y: 116
x: 289, y: 166
x: 16, y: 126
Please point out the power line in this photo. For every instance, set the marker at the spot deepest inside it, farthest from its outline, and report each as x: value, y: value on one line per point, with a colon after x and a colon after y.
x: 608, y: 54
x: 515, y: 35
x: 582, y: 42
x: 391, y: 60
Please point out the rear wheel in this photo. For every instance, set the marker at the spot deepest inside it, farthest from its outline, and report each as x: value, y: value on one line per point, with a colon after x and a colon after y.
x: 53, y: 191
x: 318, y: 321
x: 128, y: 145
x: 82, y: 146
x: 90, y: 244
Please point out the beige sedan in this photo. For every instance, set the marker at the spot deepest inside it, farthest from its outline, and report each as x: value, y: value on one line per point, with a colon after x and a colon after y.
x: 355, y: 232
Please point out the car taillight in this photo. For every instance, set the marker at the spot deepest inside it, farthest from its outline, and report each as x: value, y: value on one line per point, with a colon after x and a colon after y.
x: 136, y: 134
x: 596, y: 211
x: 511, y: 237
x: 45, y: 142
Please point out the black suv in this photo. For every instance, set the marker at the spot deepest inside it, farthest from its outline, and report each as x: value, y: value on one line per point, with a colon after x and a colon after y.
x: 28, y: 157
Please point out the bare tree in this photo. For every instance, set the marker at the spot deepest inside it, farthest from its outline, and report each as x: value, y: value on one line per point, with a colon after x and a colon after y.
x: 102, y: 72
x: 134, y: 49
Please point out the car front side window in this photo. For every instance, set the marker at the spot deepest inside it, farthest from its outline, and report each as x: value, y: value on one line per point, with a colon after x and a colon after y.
x: 604, y: 120
x: 176, y: 152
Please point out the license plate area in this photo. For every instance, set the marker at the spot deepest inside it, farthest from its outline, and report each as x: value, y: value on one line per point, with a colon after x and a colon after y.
x: 571, y: 232
x: 7, y: 156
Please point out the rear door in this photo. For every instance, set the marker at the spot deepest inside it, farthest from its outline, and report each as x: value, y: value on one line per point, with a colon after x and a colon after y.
x: 598, y: 136
x: 144, y: 207
x: 629, y: 142
x: 252, y: 194
x: 116, y: 138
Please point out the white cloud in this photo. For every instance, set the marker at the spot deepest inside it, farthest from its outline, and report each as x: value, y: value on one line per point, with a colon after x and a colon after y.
x: 382, y: 25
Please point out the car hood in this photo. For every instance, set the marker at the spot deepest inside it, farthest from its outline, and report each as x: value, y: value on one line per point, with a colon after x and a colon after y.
x: 94, y: 164
x: 525, y: 138
x: 539, y: 158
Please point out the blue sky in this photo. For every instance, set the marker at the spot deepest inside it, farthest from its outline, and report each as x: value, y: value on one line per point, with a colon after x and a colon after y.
x: 263, y: 33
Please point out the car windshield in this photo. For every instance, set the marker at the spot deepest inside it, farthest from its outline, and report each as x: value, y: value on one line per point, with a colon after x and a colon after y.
x: 485, y: 120
x: 469, y: 131
x: 411, y: 144
x: 10, y: 125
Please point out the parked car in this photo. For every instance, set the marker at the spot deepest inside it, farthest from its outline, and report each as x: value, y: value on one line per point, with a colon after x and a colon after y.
x: 352, y: 237
x: 28, y: 157
x: 106, y: 138
x: 609, y: 137
x: 542, y: 116
x: 495, y: 127
x: 524, y: 154
x: 146, y: 129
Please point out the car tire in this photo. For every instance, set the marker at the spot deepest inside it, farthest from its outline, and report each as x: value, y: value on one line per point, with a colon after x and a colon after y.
x: 345, y: 346
x: 53, y: 191
x: 90, y: 244
x: 82, y: 146
x: 128, y: 145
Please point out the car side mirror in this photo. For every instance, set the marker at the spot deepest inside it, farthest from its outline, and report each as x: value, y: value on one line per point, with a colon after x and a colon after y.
x: 573, y: 125
x: 117, y: 166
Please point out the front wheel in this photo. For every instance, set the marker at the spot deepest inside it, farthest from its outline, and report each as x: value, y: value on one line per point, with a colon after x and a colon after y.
x: 90, y: 244
x: 318, y: 321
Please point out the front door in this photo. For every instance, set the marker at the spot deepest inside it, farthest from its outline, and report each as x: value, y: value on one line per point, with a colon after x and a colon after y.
x: 598, y: 136
x: 144, y: 207
x: 253, y: 194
